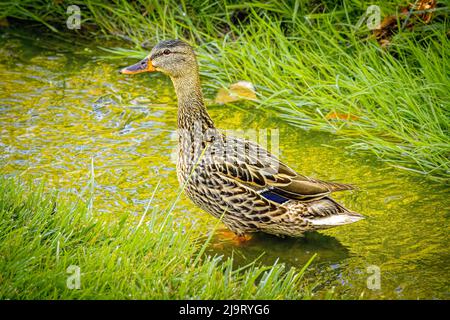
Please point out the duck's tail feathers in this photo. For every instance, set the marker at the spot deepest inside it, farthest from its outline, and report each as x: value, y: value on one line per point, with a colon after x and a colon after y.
x: 327, y: 213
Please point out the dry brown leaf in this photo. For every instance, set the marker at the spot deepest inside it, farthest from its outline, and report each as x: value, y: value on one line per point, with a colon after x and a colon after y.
x: 341, y: 116
x: 388, y: 27
x: 241, y: 90
x: 426, y: 5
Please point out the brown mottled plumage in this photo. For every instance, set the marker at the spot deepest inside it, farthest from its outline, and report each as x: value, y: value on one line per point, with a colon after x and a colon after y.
x: 250, y: 189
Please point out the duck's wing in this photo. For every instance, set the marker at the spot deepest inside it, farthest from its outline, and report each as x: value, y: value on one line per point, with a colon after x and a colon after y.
x: 255, y: 167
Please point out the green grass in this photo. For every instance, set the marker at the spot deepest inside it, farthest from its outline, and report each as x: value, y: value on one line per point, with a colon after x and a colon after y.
x: 307, y: 60
x: 43, y: 234
x: 398, y: 105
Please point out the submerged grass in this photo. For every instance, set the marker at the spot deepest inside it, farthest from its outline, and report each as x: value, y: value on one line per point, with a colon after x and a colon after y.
x: 42, y: 236
x: 311, y: 65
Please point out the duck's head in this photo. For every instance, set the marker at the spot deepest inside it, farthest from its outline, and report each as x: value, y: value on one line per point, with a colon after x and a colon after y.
x: 172, y: 57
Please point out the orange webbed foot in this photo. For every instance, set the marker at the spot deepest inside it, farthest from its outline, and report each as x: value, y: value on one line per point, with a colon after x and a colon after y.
x: 227, y: 235
x: 242, y: 239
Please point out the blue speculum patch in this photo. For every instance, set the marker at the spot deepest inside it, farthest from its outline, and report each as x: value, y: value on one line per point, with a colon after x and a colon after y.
x: 275, y: 197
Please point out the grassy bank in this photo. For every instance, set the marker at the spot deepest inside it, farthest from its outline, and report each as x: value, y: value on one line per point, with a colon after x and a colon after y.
x: 42, y: 235
x: 311, y: 66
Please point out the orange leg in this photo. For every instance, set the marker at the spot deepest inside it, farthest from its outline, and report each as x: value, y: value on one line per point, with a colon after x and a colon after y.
x: 231, y: 236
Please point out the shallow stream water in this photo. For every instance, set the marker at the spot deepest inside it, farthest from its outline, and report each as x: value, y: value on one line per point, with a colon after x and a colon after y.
x: 61, y: 106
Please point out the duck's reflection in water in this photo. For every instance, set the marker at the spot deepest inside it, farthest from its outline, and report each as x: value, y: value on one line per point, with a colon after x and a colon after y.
x: 293, y: 252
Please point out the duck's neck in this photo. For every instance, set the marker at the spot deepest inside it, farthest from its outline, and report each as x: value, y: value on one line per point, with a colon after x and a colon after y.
x: 191, y: 108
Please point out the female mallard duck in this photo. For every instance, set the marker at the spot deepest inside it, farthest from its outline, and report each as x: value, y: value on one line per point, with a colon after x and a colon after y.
x: 235, y: 179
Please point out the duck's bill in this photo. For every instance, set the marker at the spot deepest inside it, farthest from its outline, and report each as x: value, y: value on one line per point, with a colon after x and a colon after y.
x: 144, y: 65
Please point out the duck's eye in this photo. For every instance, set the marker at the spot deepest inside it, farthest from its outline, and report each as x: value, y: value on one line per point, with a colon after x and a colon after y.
x: 166, y: 52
